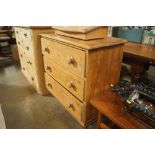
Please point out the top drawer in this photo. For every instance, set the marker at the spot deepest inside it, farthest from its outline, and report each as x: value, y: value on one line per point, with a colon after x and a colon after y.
x: 70, y: 58
x: 23, y: 34
x: 26, y: 34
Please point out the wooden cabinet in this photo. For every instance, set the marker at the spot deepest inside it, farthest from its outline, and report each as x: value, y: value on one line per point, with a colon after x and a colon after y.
x: 76, y: 70
x: 29, y: 47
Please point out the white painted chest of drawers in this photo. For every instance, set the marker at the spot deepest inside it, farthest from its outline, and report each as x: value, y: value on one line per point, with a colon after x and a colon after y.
x: 29, y: 47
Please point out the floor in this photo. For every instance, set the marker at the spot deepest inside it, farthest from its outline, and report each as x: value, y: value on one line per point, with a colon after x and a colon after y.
x: 23, y: 108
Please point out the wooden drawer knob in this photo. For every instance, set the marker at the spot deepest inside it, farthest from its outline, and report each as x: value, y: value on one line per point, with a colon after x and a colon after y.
x: 47, y: 50
x: 70, y: 60
x: 48, y: 68
x: 32, y: 78
x: 17, y: 32
x: 49, y: 84
x: 70, y: 84
x: 21, y: 55
x: 24, y: 68
x: 69, y: 105
x: 18, y: 42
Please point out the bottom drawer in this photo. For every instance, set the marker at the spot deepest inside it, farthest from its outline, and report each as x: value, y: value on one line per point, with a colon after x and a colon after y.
x: 71, y: 103
x: 29, y: 76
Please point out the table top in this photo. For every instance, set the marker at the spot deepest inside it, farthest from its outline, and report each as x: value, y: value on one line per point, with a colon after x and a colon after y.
x: 140, y: 51
x: 110, y: 104
x: 89, y: 44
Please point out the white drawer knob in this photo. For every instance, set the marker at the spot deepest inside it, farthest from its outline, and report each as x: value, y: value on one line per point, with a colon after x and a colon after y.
x: 70, y: 60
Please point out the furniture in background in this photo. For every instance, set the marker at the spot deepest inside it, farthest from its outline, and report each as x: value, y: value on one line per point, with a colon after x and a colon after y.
x: 111, y: 113
x: 29, y: 47
x: 5, y: 37
x: 131, y: 34
x: 139, y: 57
x: 7, y: 41
x: 15, y: 54
x: 76, y: 70
x: 143, y: 34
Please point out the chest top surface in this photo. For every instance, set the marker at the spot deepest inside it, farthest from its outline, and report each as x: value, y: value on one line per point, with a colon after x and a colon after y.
x: 88, y: 45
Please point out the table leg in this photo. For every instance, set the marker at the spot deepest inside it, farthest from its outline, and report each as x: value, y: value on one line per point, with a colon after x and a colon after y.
x: 99, y: 120
x: 138, y: 69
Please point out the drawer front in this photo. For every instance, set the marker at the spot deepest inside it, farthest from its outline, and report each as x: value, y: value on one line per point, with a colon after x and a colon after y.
x: 27, y: 46
x: 17, y: 32
x: 26, y: 34
x: 23, y: 38
x: 28, y: 61
x: 32, y: 78
x: 71, y: 103
x: 28, y: 74
x: 18, y: 35
x: 69, y: 58
x: 70, y: 81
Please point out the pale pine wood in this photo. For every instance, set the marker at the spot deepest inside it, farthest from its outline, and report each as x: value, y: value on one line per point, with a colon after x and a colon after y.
x: 102, y: 66
x: 100, y: 32
x: 62, y: 53
x: 64, y: 77
x: 29, y: 45
x: 65, y: 98
x: 76, y: 29
x: 86, y: 45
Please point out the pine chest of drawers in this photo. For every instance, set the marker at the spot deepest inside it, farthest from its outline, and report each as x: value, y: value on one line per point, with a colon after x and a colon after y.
x: 29, y: 47
x: 76, y: 70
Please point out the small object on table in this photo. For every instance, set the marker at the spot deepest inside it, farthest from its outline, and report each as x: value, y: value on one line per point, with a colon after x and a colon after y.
x: 138, y: 99
x: 109, y: 104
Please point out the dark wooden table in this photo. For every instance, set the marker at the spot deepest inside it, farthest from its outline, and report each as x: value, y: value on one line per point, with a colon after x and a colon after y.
x: 139, y: 57
x: 109, y: 105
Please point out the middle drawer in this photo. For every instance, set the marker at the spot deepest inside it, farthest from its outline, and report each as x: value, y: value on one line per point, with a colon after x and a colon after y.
x: 70, y: 81
x: 28, y: 61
